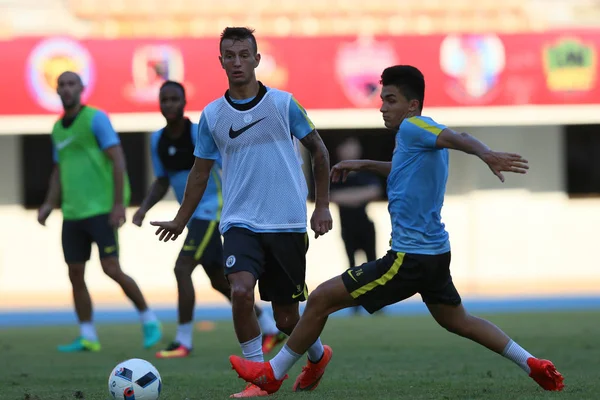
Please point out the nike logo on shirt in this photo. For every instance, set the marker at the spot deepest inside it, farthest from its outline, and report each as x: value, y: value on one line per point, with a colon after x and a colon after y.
x: 61, y: 145
x: 235, y: 133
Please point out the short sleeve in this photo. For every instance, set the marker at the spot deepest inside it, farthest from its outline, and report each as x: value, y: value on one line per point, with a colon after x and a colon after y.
x: 103, y: 130
x: 157, y: 165
x: 421, y: 133
x: 205, y: 143
x: 300, y: 124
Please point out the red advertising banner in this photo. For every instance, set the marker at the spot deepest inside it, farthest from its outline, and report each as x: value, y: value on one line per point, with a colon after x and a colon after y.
x: 123, y: 76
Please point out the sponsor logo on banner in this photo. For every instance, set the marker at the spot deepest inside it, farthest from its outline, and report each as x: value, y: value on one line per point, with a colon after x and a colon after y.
x: 472, y: 64
x: 570, y: 65
x: 270, y: 71
x: 152, y: 65
x: 359, y: 66
x: 50, y: 58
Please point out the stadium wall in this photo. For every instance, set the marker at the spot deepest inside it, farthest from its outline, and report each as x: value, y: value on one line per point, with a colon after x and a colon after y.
x: 521, y: 238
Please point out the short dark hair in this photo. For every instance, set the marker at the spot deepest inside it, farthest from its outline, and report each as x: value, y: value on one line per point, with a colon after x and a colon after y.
x: 408, y: 79
x: 173, y: 83
x: 238, y: 33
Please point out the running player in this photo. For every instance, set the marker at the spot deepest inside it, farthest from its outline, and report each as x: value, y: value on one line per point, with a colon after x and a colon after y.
x: 419, y: 259
x: 89, y: 182
x: 255, y: 130
x: 172, y: 149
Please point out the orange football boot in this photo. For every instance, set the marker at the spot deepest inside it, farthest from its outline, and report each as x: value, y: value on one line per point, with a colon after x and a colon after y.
x: 545, y: 374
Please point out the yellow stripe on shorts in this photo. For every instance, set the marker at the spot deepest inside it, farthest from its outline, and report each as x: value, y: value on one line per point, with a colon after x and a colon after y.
x: 382, y: 280
x: 207, y: 235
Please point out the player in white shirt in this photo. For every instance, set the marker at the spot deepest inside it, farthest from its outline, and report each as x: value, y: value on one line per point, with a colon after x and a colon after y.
x: 256, y: 131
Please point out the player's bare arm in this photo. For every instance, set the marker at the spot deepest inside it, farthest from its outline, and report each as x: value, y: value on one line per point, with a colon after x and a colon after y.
x: 321, y: 221
x: 157, y: 191
x: 194, y: 190
x: 52, y: 200
x: 498, y: 162
x: 116, y: 155
x: 341, y: 170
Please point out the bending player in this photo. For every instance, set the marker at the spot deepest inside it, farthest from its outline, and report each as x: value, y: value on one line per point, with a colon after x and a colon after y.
x: 89, y: 182
x: 419, y: 260
x: 255, y: 130
x: 172, y: 149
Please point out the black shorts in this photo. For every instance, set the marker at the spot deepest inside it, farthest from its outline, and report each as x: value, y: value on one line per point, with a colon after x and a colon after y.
x: 398, y: 276
x: 277, y: 261
x: 203, y: 244
x: 78, y: 236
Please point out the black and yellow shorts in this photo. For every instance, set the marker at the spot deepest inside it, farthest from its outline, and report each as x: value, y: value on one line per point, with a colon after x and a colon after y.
x: 79, y: 235
x: 203, y: 243
x: 277, y: 261
x: 398, y: 276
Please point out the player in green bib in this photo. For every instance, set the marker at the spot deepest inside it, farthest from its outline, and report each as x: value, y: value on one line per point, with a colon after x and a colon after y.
x: 89, y: 182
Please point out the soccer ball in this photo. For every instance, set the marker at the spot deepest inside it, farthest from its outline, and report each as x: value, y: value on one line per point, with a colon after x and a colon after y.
x: 134, y: 379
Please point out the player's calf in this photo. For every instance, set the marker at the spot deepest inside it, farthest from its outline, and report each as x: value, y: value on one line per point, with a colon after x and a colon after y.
x: 455, y: 319
x: 218, y: 280
x: 286, y: 317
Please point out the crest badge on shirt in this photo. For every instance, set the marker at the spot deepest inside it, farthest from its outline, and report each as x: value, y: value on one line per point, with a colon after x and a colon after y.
x: 230, y: 261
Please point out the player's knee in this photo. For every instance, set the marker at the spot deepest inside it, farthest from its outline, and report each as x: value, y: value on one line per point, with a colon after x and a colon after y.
x: 319, y: 299
x: 76, y: 275
x: 452, y: 327
x: 457, y: 323
x: 286, y: 319
x: 219, y: 282
x: 184, y: 268
x: 286, y: 327
x: 242, y: 294
x: 111, y: 268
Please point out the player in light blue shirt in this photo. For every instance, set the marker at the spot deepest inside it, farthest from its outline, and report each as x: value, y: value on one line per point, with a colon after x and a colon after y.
x: 419, y: 258
x: 172, y: 150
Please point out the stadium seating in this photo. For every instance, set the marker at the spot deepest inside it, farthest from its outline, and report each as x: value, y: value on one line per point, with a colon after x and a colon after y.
x: 200, y: 18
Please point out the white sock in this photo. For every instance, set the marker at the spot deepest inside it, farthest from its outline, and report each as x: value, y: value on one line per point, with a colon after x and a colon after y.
x: 518, y: 355
x: 267, y: 324
x: 315, y: 352
x: 147, y: 316
x: 88, y: 331
x: 283, y: 361
x: 252, y: 349
x: 185, y: 334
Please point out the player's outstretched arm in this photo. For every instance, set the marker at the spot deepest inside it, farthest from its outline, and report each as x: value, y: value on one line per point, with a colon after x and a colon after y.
x: 194, y: 190
x: 52, y: 200
x: 157, y: 191
x: 497, y: 162
x: 341, y: 170
x: 321, y: 221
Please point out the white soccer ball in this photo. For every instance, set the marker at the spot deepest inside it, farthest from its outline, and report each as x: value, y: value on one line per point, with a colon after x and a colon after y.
x: 134, y: 379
